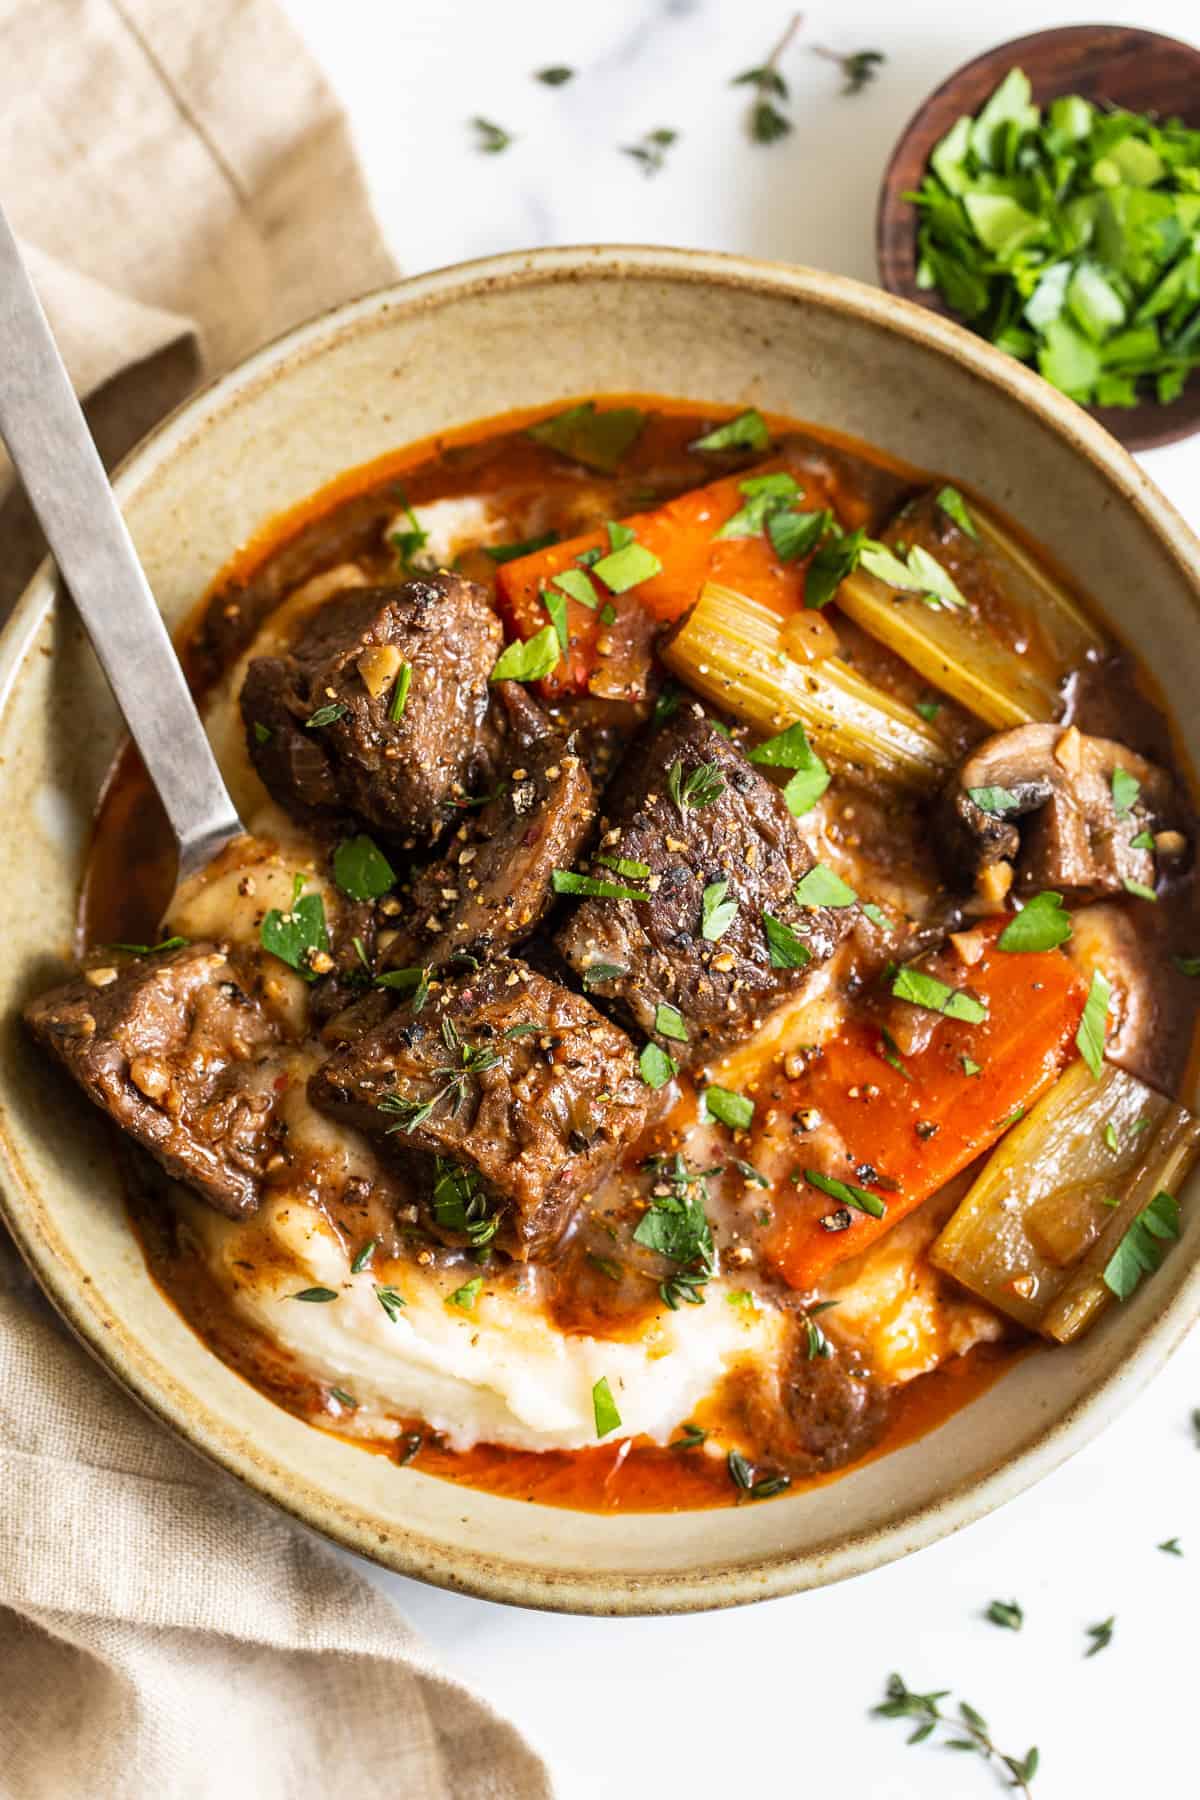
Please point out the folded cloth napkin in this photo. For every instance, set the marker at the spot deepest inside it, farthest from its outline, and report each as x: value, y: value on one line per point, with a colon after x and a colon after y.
x: 183, y: 185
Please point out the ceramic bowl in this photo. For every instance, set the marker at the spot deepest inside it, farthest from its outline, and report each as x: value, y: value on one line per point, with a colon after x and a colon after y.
x: 433, y: 353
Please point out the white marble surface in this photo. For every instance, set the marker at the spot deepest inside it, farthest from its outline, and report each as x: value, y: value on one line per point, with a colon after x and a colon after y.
x: 773, y: 1700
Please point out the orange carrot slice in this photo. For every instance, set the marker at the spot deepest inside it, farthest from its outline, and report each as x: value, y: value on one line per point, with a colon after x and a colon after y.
x: 914, y: 1131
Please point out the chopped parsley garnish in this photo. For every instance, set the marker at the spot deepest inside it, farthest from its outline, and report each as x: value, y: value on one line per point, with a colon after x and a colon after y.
x: 998, y: 801
x: 877, y: 917
x: 604, y: 1408
x: 670, y: 1023
x: 846, y: 1193
x: 465, y: 1296
x: 728, y: 1107
x: 262, y: 733
x: 821, y: 887
x: 1143, y: 841
x: 528, y: 659
x: 298, y: 935
x: 699, y: 788
x: 955, y: 507
x: 576, y: 584
x: 655, y: 1066
x: 407, y: 981
x: 505, y: 553
x: 668, y: 702
x: 602, y: 971
x: 651, y: 153
x: 929, y: 710
x: 399, y: 699
x: 1041, y: 924
x: 1006, y: 1613
x: 785, y: 949
x: 316, y: 1294
x: 326, y: 715
x: 597, y: 439
x: 459, y: 1203
x: 392, y: 1302
x: 791, y: 749
x: 1089, y: 1038
x: 1139, y: 1251
x: 747, y: 432
x: 676, y: 1226
x: 556, y: 605
x: 625, y: 865
x: 716, y: 912
x: 409, y: 542
x: 1187, y: 965
x: 836, y: 558
x: 1111, y: 1140
x: 796, y: 534
x: 1125, y: 790
x: 490, y: 139
x: 1139, y: 890
x: 764, y: 496
x: 361, y: 869
x: 970, y: 1066
x: 625, y: 568
x: 920, y: 989
x: 565, y: 881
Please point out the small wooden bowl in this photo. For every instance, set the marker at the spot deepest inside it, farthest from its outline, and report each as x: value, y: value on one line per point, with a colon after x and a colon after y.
x: 1138, y: 70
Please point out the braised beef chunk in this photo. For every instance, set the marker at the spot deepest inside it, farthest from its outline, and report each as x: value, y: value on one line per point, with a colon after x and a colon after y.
x: 687, y: 812
x: 1058, y: 809
x: 811, y: 1413
x: 174, y: 1048
x: 510, y: 1094
x: 492, y: 885
x: 319, y: 721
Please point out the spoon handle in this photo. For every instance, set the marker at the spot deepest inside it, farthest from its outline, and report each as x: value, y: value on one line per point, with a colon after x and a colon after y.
x: 48, y: 439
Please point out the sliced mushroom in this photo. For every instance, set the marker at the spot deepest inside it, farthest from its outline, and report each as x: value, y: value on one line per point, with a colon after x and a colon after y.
x: 1039, y: 800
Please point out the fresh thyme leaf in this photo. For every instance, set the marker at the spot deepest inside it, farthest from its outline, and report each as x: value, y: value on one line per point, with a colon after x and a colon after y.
x: 598, y: 439
x: 465, y: 1296
x: 1187, y: 965
x: 929, y: 710
x: 490, y: 138
x: 606, y: 1265
x: 655, y: 1066
x: 1101, y: 1635
x: 361, y: 869
x: 467, y: 1060
x: 1006, y: 1613
x: 1172, y: 1547
x: 846, y: 1193
x: 298, y: 935
x: 506, y: 553
x: 1041, y: 924
x: 765, y: 122
x: 748, y: 1172
x: 1111, y: 1140
x: 170, y: 943
x: 748, y: 1482
x: 316, y: 1294
x: 955, y: 507
x: 407, y: 1448
x: 262, y: 733
x: 565, y: 881
x: 716, y: 912
x: 1139, y: 1251
x: 691, y: 1437
x: 920, y: 989
x: 602, y: 971
x: 821, y: 887
x: 748, y: 431
x: 404, y: 981
x: 877, y: 917
x: 669, y: 1022
x: 699, y: 788
x: 344, y: 1399
x: 650, y: 153
x: 1093, y: 1026
x: 604, y: 1408
x: 859, y: 67
x: 408, y: 543
x: 925, y: 1714
x: 326, y: 715
x: 557, y: 75
x: 528, y: 659
x: 726, y: 1106
x: 785, y: 949
x: 392, y: 1301
x: 890, y: 1052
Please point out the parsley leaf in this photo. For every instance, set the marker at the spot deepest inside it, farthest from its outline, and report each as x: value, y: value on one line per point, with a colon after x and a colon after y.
x: 625, y: 568
x: 920, y: 989
x: 836, y: 558
x: 998, y: 801
x: 791, y: 749
x: 604, y: 1408
x: 821, y: 887
x: 955, y: 507
x: 655, y: 1066
x: 326, y: 715
x: 465, y: 1296
x: 361, y: 869
x: 1139, y: 1252
x: 846, y: 1193
x: 1041, y: 924
x: 505, y: 553
x: 716, y: 912
x: 670, y: 1023
x: 785, y: 949
x: 597, y: 439
x: 528, y: 659
x: 748, y: 431
x: 729, y: 1108
x: 565, y: 881
x: 298, y: 935
x: 1125, y: 790
x: 1093, y: 1026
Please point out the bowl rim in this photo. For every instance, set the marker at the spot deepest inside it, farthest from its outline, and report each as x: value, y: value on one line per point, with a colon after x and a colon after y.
x: 490, y: 1575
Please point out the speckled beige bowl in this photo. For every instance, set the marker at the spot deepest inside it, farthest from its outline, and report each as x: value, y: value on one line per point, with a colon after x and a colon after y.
x: 433, y: 353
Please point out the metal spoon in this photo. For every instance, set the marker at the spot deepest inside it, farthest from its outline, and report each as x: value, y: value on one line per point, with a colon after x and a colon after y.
x: 43, y: 426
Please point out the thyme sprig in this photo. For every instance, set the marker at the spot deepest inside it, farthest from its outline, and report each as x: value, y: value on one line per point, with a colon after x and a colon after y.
x: 765, y: 122
x: 469, y: 1059
x: 970, y: 1727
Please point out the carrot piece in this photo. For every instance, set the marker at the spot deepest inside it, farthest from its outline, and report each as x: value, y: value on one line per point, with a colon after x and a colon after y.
x: 910, y: 1133
x: 682, y: 535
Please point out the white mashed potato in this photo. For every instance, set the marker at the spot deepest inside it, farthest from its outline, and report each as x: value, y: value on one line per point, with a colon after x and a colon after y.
x: 500, y: 1373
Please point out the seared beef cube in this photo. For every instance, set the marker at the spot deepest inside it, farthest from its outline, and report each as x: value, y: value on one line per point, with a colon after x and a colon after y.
x: 319, y: 723
x: 687, y: 811
x: 512, y: 1094
x: 493, y: 884
x: 176, y: 1049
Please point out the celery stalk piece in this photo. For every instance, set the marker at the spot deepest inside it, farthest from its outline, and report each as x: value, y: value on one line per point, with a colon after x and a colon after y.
x: 969, y: 652
x: 733, y: 650
x: 1036, y: 1230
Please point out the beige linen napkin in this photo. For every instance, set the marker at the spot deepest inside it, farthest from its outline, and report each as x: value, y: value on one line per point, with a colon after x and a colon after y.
x: 183, y: 185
